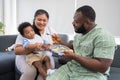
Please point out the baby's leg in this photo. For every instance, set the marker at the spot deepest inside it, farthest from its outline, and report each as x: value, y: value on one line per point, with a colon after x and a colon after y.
x: 47, y: 62
x: 48, y: 65
x: 39, y: 66
x: 49, y: 54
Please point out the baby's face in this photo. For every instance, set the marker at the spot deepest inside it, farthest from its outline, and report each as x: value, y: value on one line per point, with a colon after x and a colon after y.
x: 29, y: 32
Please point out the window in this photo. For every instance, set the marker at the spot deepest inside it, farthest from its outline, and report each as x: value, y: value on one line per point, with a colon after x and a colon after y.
x: 1, y: 10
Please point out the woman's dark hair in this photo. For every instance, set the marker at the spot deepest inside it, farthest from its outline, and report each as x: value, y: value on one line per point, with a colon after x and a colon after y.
x: 88, y: 12
x: 39, y: 12
x: 22, y: 26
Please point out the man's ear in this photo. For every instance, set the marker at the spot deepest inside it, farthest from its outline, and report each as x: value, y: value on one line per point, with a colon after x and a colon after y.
x: 87, y: 22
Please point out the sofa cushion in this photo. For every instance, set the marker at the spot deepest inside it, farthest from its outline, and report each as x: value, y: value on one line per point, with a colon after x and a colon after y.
x: 64, y: 37
x: 7, y: 62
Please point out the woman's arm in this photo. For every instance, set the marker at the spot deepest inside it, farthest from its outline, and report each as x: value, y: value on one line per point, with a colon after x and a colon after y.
x: 19, y: 50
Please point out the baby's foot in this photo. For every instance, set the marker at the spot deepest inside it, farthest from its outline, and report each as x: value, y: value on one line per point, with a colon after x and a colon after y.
x: 50, y: 71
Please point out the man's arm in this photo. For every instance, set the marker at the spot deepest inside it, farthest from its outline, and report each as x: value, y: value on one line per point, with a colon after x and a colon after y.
x: 95, y: 64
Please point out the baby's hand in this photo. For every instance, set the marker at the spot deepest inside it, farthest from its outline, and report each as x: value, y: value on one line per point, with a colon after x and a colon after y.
x: 46, y: 46
x: 38, y: 46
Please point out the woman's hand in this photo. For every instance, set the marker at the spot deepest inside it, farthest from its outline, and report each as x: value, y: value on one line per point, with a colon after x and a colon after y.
x: 56, y: 39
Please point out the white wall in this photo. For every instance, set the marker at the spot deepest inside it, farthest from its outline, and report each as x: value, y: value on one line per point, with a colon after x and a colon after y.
x: 108, y: 13
x: 61, y: 12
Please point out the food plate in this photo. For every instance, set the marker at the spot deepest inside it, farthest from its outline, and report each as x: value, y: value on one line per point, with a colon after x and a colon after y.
x: 57, y: 49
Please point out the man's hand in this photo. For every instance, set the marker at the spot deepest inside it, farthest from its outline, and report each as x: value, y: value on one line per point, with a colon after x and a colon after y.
x: 68, y: 54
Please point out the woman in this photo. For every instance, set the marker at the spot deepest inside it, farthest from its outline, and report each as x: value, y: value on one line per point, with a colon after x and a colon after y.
x: 40, y: 22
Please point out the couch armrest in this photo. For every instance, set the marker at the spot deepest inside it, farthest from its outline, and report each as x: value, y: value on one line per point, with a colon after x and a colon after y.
x: 115, y: 67
x: 114, y: 73
x: 116, y: 60
x: 7, y: 61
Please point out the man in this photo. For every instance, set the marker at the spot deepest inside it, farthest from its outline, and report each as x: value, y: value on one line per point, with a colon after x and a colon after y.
x: 93, y: 50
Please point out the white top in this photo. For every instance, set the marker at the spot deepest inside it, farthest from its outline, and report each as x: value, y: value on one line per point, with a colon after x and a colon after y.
x: 36, y: 39
x: 46, y: 36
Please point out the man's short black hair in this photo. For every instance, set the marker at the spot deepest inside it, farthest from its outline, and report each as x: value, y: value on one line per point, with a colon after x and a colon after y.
x: 22, y: 26
x: 88, y: 12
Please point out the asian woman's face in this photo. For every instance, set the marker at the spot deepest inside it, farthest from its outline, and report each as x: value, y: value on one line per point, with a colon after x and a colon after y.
x: 41, y: 21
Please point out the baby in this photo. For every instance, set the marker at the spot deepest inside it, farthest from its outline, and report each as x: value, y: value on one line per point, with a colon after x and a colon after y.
x: 32, y: 41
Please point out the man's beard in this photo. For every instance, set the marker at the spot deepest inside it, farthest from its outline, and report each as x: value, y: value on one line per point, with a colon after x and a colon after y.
x: 80, y: 29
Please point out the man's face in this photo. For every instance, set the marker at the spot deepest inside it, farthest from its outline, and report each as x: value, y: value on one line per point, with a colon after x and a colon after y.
x: 78, y: 23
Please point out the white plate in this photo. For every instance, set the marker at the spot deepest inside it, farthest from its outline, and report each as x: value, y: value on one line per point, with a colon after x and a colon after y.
x: 57, y: 49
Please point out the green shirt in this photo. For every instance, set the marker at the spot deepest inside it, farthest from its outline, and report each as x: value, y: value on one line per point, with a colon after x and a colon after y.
x: 97, y: 43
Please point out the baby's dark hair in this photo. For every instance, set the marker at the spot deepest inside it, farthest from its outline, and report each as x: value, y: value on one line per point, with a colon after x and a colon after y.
x: 22, y: 26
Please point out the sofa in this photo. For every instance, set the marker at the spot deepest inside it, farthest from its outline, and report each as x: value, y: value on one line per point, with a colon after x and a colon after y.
x: 7, y: 59
x: 8, y: 71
